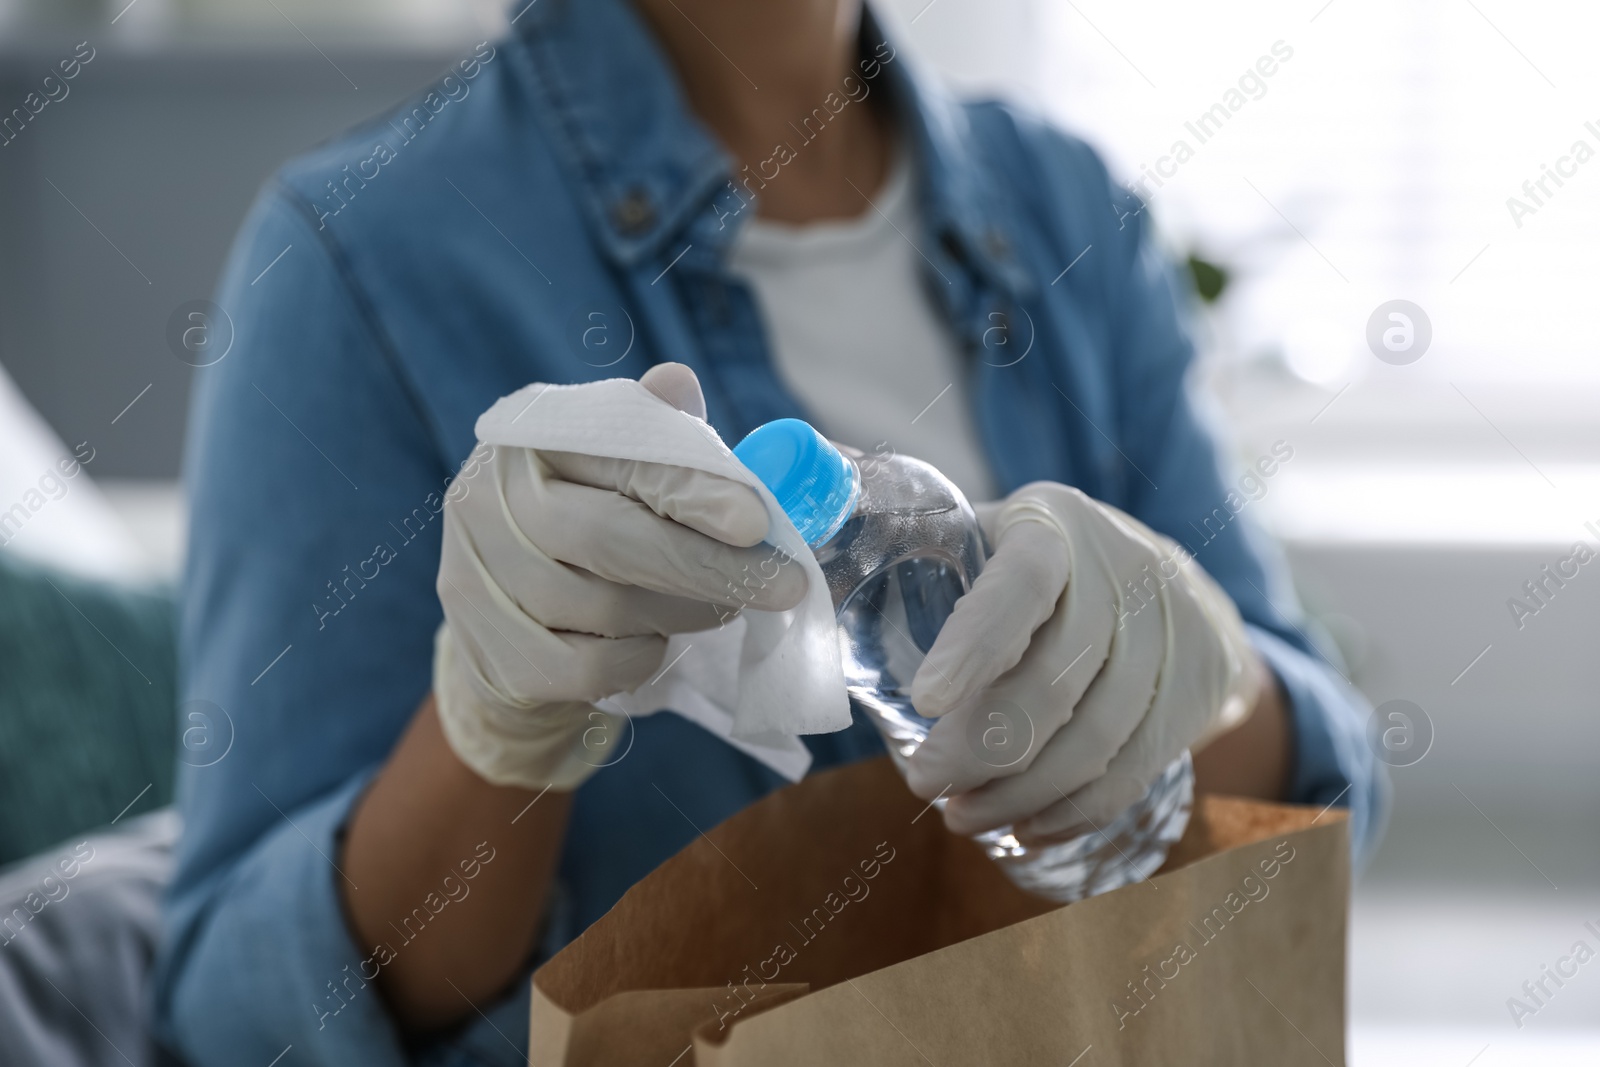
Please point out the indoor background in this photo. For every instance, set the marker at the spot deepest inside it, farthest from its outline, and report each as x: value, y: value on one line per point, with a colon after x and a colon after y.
x: 1422, y: 152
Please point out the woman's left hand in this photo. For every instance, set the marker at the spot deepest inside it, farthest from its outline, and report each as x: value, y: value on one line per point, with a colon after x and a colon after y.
x: 1089, y: 654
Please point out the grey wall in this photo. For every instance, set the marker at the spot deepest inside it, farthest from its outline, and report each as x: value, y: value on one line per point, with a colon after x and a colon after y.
x: 1514, y: 733
x: 161, y: 148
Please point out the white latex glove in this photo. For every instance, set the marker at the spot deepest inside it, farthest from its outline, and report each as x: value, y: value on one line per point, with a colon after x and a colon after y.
x: 561, y: 577
x: 1100, y: 645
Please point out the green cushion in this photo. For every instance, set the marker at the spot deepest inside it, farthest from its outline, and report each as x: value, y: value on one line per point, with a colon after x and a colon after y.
x: 88, y: 696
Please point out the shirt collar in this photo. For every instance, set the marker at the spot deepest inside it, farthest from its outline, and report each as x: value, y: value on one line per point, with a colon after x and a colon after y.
x: 646, y: 169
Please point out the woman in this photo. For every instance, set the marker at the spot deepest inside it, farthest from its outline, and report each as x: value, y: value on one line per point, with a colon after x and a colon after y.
x: 769, y: 195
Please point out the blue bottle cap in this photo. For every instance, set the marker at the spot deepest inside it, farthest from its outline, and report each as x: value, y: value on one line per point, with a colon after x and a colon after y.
x: 814, y: 484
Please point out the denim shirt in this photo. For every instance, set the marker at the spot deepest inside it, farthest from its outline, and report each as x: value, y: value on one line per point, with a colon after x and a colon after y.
x: 551, y: 211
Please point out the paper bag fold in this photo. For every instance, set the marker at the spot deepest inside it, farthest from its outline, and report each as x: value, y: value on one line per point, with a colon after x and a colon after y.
x: 838, y: 922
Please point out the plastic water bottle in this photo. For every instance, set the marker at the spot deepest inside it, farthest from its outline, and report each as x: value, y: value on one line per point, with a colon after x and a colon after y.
x: 899, y: 545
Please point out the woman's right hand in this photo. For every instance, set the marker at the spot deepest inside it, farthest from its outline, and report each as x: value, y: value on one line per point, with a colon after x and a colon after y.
x: 561, y: 577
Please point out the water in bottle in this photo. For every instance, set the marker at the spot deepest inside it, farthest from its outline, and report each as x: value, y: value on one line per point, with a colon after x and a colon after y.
x: 899, y: 544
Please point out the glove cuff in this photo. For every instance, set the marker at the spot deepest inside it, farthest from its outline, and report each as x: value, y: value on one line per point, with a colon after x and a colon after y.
x: 1246, y: 674
x: 536, y: 747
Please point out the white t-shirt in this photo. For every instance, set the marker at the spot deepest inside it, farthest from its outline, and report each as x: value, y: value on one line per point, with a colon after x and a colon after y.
x: 857, y: 336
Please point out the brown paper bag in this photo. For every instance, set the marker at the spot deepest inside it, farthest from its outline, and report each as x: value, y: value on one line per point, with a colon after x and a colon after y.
x: 838, y: 922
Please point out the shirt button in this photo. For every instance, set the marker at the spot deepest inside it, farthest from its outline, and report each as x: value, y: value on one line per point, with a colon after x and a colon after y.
x: 634, y: 213
x: 996, y: 243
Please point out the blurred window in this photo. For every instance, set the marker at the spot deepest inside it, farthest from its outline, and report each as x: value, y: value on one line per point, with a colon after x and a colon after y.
x: 1438, y: 151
